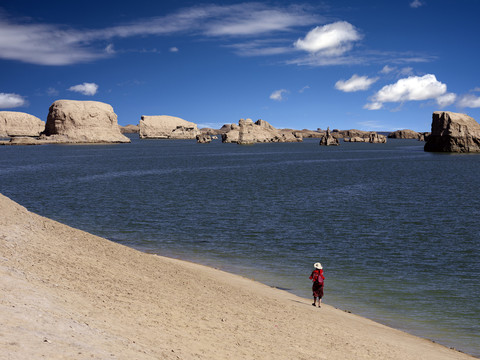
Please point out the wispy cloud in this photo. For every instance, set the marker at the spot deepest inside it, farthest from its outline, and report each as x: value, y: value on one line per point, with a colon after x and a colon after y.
x: 277, y: 95
x: 173, y: 49
x: 408, y: 89
x: 446, y: 99
x: 52, y: 91
x: 8, y: 101
x: 302, y: 90
x: 371, y: 125
x: 262, y: 47
x: 248, y: 19
x: 387, y: 69
x: 469, y: 101
x: 89, y: 89
x: 44, y: 44
x: 48, y: 44
x: 355, y: 83
x: 416, y: 4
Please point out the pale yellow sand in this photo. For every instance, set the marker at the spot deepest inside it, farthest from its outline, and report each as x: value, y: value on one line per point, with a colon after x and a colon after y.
x: 66, y: 294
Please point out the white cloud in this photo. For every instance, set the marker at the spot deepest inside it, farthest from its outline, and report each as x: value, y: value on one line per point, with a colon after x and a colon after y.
x: 408, y: 89
x: 85, y: 88
x: 330, y: 40
x: 387, y: 69
x: 373, y: 106
x: 470, y: 101
x: 52, y: 91
x: 355, y: 83
x: 306, y: 87
x: 8, y: 101
x: 173, y: 49
x: 406, y: 71
x: 416, y: 4
x: 446, y: 99
x: 110, y: 49
x: 278, y: 95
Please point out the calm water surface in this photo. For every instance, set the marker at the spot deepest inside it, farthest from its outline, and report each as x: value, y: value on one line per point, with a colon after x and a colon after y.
x: 396, y: 229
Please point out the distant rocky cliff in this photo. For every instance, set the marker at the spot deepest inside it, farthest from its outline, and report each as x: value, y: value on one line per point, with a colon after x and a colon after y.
x: 167, y: 127
x: 453, y: 132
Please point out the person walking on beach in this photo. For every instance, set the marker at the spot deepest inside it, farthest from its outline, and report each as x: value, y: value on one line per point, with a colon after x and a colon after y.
x: 317, y: 287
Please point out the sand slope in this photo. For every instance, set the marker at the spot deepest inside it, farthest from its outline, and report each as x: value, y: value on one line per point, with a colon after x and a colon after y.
x: 66, y: 294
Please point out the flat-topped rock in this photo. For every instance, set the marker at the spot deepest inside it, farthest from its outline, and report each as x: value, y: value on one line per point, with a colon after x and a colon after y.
x: 129, y: 129
x: 404, y: 134
x: 167, y: 127
x: 71, y: 121
x: 453, y: 132
x: 249, y: 132
x: 14, y: 123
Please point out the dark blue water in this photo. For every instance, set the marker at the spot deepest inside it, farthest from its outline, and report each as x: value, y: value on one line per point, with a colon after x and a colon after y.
x: 396, y: 229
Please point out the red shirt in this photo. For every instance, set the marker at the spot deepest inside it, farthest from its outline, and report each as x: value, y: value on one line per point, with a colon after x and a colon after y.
x: 315, y: 274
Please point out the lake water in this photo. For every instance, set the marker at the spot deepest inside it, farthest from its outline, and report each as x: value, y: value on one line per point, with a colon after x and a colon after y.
x: 396, y: 229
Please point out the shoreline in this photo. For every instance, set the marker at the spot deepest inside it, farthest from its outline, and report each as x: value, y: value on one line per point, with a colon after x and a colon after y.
x: 70, y: 294
x: 367, y: 313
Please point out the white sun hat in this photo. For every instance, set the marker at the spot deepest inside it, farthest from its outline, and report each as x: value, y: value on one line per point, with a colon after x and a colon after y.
x: 318, y: 266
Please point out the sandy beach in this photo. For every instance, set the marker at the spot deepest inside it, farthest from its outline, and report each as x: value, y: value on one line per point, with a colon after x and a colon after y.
x: 67, y: 294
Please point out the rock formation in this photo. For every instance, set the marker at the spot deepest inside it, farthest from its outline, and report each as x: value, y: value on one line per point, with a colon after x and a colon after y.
x: 328, y: 139
x: 129, y: 129
x: 248, y: 132
x: 350, y: 133
x: 167, y: 127
x: 13, y: 123
x: 453, y: 132
x: 404, y: 134
x: 367, y: 137
x: 204, y: 139
x: 305, y: 133
x: 71, y: 121
x: 211, y: 132
x: 376, y: 138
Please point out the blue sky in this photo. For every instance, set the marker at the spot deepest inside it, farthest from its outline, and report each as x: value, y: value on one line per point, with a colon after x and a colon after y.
x: 370, y: 65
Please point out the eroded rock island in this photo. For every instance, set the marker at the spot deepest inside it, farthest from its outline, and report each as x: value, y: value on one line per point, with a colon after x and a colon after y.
x: 453, y: 132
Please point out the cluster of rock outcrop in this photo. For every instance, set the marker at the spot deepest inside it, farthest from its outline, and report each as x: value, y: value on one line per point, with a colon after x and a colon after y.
x: 453, y: 132
x: 78, y: 122
x: 167, y: 127
x: 249, y: 132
